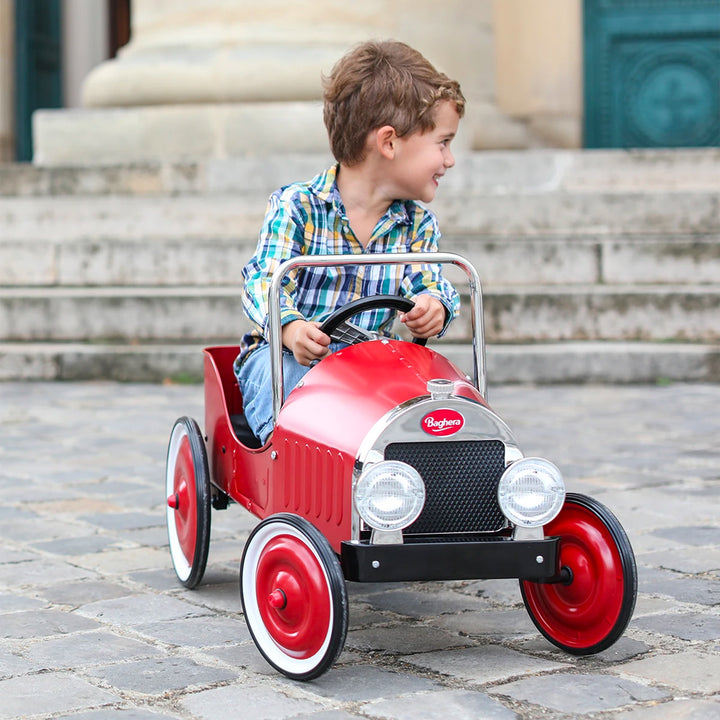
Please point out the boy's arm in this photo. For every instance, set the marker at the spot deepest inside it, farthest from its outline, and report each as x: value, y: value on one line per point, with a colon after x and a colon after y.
x: 425, y: 282
x: 280, y: 239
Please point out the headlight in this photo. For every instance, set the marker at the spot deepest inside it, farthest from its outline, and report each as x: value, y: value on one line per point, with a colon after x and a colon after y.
x: 531, y: 492
x: 390, y: 495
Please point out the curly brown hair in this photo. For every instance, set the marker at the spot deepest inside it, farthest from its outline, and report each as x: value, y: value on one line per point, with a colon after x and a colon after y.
x: 378, y: 84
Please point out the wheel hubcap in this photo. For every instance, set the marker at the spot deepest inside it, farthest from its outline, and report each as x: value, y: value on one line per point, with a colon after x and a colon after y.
x: 297, y: 609
x: 277, y: 599
x: 581, y: 612
x: 184, y: 502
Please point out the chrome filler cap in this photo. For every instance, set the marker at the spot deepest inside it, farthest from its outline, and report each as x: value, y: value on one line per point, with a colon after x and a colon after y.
x: 440, y: 388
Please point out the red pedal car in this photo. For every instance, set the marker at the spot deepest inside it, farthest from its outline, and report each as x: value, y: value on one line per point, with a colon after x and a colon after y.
x: 386, y: 464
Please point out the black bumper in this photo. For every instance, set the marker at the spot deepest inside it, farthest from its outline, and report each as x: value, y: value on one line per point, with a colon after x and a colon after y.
x: 470, y: 560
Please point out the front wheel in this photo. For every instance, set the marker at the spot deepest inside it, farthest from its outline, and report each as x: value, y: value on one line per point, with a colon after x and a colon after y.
x: 294, y: 596
x: 590, y: 610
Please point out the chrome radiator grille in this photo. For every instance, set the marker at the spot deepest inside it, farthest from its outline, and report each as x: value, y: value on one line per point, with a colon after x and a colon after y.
x: 461, y: 480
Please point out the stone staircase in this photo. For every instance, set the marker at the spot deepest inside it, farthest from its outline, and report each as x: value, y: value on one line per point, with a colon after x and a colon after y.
x: 597, y: 266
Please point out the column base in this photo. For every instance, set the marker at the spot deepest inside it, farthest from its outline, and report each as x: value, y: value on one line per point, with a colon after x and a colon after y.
x: 102, y: 136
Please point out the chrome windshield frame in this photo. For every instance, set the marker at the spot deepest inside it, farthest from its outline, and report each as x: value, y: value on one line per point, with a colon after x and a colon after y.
x: 275, y: 326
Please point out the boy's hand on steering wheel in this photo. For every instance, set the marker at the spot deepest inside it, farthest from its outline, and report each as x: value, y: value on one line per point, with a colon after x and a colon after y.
x: 427, y: 318
x: 306, y: 341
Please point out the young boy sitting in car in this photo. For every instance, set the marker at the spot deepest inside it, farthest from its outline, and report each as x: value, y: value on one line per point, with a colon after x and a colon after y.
x: 391, y: 117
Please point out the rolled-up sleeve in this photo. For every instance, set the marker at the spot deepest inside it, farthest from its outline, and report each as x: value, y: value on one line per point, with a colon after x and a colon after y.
x: 280, y: 239
x: 428, y: 277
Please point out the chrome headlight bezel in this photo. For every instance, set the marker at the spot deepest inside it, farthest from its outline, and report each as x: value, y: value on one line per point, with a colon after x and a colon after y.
x: 531, y: 492
x: 395, y: 485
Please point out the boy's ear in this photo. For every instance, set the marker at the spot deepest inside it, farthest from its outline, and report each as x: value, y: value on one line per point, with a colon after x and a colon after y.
x: 385, y: 137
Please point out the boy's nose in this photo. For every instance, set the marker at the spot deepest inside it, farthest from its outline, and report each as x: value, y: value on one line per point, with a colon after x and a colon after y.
x: 449, y: 159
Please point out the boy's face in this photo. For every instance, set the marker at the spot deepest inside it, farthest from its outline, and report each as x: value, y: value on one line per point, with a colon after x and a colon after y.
x: 421, y: 159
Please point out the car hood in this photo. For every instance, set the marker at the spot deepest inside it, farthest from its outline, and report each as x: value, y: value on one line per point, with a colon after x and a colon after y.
x: 343, y: 396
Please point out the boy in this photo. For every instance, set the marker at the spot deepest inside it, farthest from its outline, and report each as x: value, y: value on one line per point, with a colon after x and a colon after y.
x: 390, y: 118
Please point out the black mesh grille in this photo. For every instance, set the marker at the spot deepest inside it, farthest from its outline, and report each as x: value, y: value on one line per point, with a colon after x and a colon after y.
x: 461, y: 480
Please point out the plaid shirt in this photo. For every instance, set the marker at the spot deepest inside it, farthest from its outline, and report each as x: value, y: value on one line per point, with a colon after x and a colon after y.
x: 309, y: 219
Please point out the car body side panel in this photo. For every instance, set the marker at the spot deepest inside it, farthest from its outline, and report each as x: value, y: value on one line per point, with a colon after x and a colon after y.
x: 240, y: 472
x: 313, y: 481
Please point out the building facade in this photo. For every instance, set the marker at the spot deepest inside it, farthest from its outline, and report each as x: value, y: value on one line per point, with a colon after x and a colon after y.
x: 220, y: 78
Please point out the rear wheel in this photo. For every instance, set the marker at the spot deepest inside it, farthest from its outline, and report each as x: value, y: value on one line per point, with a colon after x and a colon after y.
x: 187, y: 486
x: 294, y: 596
x: 590, y: 610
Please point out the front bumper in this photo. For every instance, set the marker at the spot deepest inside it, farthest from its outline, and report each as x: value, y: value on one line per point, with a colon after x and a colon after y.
x: 457, y: 560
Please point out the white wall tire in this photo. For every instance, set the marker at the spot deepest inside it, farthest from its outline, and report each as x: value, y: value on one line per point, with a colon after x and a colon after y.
x: 187, y: 489
x: 294, y: 596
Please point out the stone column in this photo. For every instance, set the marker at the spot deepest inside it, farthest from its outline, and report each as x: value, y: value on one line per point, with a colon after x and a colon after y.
x: 228, y: 51
x: 7, y: 80
x: 539, y: 69
x: 86, y: 19
x: 209, y: 78
x: 226, y: 78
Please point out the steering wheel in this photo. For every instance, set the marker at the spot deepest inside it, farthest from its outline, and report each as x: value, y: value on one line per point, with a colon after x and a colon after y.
x: 339, y: 329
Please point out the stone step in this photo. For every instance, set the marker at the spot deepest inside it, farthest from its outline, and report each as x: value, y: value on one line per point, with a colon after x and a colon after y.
x: 603, y: 312
x: 566, y: 362
x: 514, y: 260
x: 141, y: 218
x: 479, y: 173
x: 512, y: 314
x: 196, y: 217
x: 127, y: 271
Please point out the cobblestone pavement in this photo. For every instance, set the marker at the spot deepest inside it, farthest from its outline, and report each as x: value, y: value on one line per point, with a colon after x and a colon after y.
x: 94, y: 625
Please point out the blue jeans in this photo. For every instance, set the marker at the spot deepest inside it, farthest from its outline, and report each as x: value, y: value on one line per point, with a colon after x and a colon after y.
x: 256, y: 386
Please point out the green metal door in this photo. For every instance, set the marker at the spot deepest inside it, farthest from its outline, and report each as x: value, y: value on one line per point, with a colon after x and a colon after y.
x: 38, y: 79
x: 652, y: 73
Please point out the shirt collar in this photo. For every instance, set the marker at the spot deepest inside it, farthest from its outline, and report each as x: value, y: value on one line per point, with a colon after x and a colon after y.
x: 324, y: 186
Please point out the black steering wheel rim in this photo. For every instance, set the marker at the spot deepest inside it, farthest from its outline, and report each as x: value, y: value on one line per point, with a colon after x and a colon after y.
x: 373, y: 302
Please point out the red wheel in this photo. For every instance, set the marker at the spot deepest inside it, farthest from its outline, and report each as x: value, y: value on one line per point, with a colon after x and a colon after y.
x: 590, y: 611
x: 294, y: 596
x: 187, y: 486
